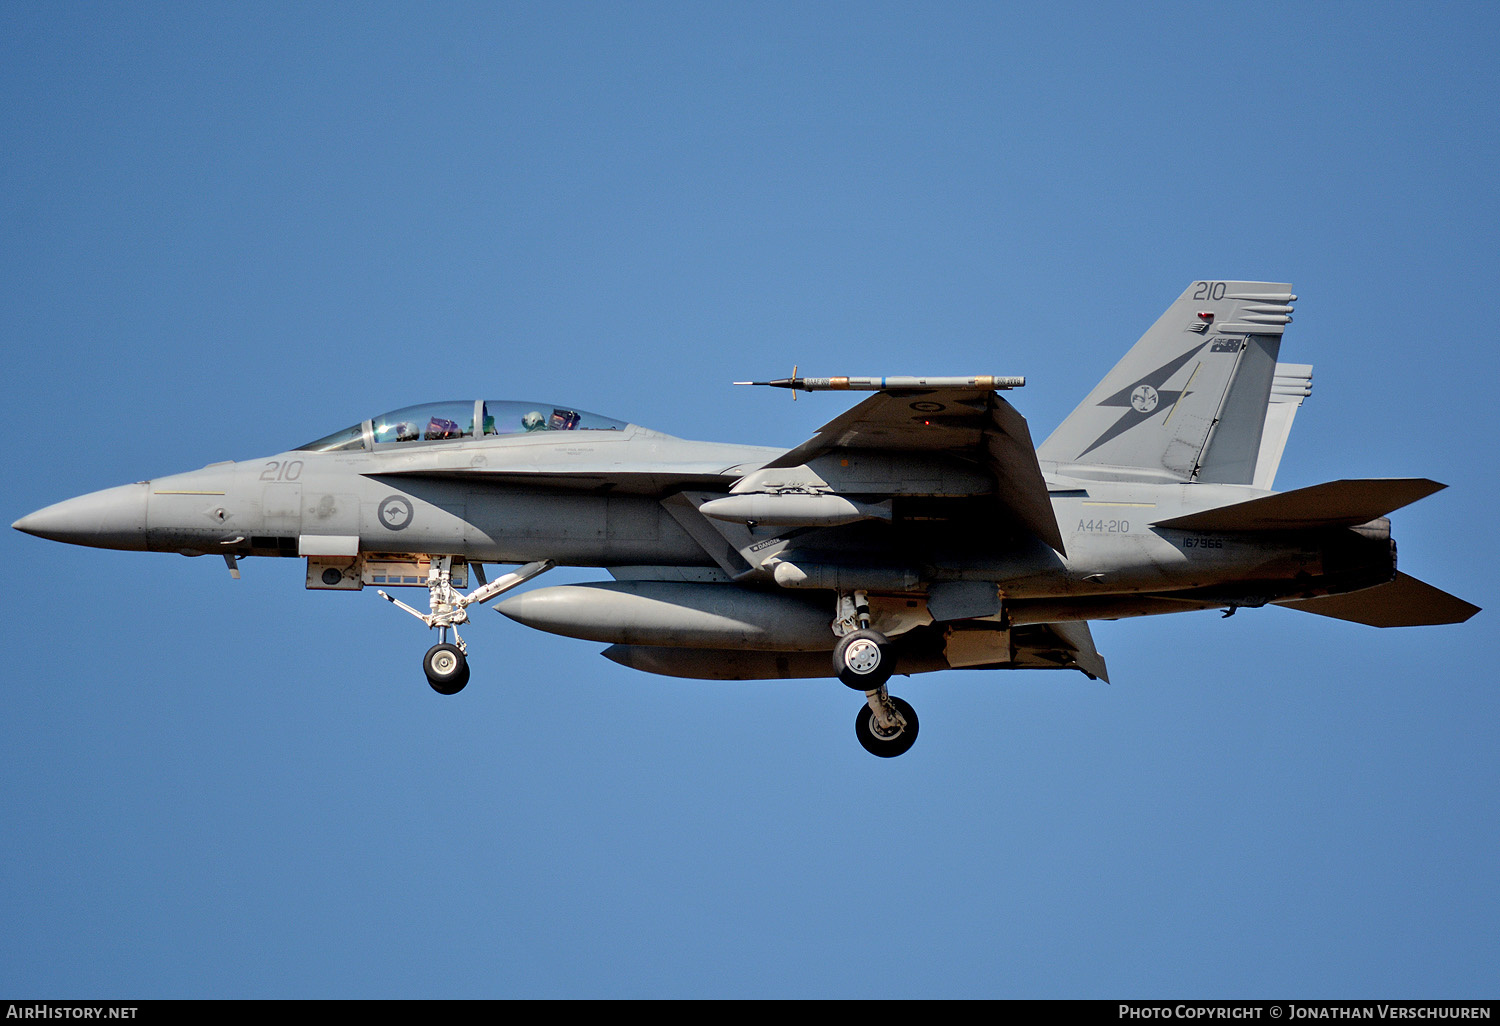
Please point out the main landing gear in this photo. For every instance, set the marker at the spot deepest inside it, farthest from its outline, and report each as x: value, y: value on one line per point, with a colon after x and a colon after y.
x: 864, y: 660
x: 447, y: 665
x: 886, y: 726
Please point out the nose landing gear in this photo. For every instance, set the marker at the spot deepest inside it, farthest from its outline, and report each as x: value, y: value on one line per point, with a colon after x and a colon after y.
x: 447, y: 668
x: 447, y: 665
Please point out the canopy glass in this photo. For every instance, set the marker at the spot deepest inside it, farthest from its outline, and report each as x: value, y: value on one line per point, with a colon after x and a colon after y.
x: 455, y: 420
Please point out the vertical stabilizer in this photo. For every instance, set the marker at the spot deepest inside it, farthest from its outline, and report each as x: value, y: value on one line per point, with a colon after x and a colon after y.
x: 1293, y: 384
x: 1188, y: 401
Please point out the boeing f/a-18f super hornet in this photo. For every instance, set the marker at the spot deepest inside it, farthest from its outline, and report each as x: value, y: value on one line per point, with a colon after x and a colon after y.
x: 919, y: 531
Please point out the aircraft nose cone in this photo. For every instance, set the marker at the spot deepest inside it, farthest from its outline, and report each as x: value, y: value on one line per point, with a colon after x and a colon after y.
x: 114, y: 518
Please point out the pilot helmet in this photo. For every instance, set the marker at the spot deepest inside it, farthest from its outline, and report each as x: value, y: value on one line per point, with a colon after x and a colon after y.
x: 533, y: 421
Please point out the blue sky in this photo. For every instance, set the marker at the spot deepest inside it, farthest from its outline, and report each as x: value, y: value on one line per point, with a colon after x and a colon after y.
x: 228, y: 231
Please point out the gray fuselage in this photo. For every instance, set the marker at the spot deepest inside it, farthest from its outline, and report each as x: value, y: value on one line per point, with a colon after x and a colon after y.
x: 597, y: 499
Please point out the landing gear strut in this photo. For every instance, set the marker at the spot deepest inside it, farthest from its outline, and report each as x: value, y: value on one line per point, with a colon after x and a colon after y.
x: 864, y: 660
x: 886, y: 726
x: 447, y: 665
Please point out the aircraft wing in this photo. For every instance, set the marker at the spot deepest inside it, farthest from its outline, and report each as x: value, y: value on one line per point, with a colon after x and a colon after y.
x: 1048, y: 646
x: 972, y: 422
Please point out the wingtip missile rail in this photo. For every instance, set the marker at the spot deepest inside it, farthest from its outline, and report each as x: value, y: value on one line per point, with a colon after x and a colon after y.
x: 847, y: 384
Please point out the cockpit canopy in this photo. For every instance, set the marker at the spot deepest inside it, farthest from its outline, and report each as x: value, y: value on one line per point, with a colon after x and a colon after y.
x: 451, y: 421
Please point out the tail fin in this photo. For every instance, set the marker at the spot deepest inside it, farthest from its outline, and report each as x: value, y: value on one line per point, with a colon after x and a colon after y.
x: 1292, y: 384
x: 1188, y: 402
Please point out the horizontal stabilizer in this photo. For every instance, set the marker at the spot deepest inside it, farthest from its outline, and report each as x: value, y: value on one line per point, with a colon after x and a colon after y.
x: 1404, y: 602
x: 1332, y: 504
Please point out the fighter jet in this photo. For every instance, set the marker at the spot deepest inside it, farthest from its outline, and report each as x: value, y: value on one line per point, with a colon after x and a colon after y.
x: 919, y: 531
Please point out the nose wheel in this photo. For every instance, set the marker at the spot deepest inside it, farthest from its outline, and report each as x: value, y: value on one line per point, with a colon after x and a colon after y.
x: 447, y: 668
x: 447, y: 665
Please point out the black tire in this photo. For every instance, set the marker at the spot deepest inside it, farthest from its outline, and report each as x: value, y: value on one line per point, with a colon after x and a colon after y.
x: 894, y: 745
x: 863, y: 660
x: 446, y: 668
